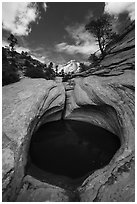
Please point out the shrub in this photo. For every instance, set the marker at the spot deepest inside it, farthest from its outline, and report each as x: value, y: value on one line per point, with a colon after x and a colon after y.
x: 49, y: 72
x: 9, y: 73
x: 9, y: 70
x: 33, y: 71
x: 94, y: 59
x: 66, y: 77
x: 83, y: 67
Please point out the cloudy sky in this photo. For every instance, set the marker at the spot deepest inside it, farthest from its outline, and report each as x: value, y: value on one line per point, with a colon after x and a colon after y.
x: 55, y: 31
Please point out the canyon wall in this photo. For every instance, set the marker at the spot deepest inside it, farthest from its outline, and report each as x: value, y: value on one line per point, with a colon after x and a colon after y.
x: 104, y: 97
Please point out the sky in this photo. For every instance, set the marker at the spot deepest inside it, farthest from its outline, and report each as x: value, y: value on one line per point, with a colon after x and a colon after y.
x: 55, y: 31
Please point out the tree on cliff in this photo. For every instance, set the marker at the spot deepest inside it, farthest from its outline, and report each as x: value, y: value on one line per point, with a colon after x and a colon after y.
x: 49, y: 72
x: 56, y: 70
x: 101, y: 30
x: 93, y: 59
x: 83, y: 67
x: 13, y: 42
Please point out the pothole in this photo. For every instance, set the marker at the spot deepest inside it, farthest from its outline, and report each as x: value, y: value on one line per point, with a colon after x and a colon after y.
x: 65, y: 152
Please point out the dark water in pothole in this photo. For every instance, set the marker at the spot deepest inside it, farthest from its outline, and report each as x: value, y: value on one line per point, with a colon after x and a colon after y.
x: 72, y: 148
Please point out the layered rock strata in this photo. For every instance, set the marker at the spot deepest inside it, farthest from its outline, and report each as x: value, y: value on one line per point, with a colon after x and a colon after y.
x: 104, y: 98
x: 26, y: 105
x: 109, y: 103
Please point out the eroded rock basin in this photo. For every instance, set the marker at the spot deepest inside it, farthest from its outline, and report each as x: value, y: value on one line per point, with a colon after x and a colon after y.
x: 65, y: 152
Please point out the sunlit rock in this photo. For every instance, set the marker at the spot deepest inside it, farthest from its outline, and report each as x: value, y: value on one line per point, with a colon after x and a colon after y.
x: 23, y: 104
x: 109, y: 103
x: 71, y: 66
x: 103, y: 97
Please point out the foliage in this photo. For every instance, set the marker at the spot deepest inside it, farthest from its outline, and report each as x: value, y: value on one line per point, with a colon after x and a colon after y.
x: 24, y: 53
x: 83, y: 67
x: 4, y: 54
x: 13, y: 42
x: 62, y: 73
x: 23, y: 64
x: 49, y: 72
x: 56, y: 70
x: 9, y: 71
x: 93, y: 59
x: 67, y: 76
x: 44, y: 67
x: 101, y: 30
x: 33, y: 71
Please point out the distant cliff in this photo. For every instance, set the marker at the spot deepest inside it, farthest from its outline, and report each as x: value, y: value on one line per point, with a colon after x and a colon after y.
x: 71, y: 66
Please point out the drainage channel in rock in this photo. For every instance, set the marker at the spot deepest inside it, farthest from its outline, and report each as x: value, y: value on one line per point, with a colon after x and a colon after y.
x: 65, y: 152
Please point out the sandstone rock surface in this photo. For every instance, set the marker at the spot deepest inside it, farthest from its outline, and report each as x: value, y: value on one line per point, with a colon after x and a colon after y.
x: 105, y: 97
x: 109, y: 103
x: 36, y: 191
x: 24, y: 103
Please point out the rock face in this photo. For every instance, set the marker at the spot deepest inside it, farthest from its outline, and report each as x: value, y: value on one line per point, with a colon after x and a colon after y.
x: 108, y: 103
x: 23, y: 104
x: 71, y: 66
x: 36, y: 191
x: 104, y: 98
x: 121, y: 55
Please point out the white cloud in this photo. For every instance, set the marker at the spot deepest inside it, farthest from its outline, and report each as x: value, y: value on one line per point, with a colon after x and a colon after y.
x: 45, y: 6
x: 84, y: 49
x: 42, y: 59
x: 32, y: 53
x: 84, y: 42
x: 116, y: 8
x: 5, y: 43
x: 17, y: 16
x: 89, y: 15
x: 19, y: 49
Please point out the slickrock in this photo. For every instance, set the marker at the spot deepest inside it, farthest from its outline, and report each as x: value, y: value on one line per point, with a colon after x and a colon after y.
x: 104, y: 97
x: 121, y: 55
x: 109, y: 103
x: 37, y: 191
x: 24, y: 103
